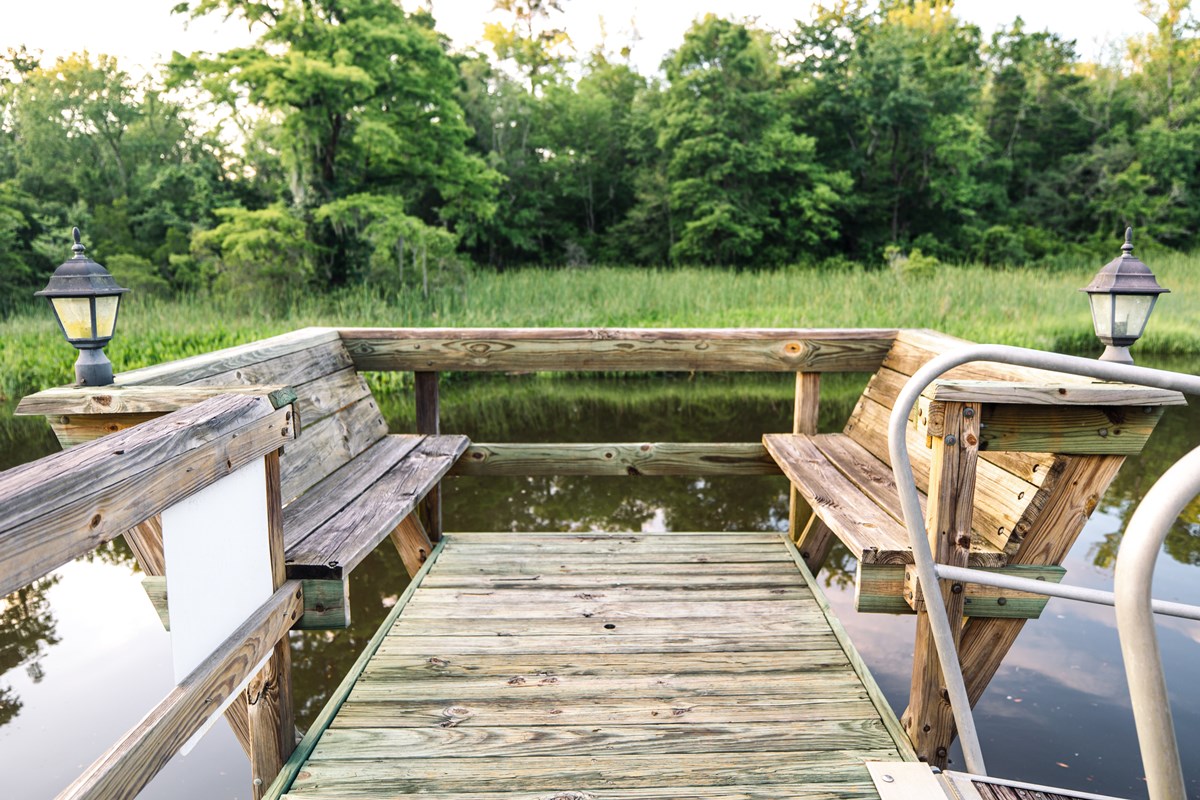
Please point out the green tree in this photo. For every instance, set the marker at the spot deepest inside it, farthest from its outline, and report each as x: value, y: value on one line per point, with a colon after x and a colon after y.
x: 892, y: 93
x: 362, y: 100
x: 745, y: 186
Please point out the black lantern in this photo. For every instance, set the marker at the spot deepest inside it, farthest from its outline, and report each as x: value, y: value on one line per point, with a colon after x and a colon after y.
x: 1122, y: 295
x: 85, y: 299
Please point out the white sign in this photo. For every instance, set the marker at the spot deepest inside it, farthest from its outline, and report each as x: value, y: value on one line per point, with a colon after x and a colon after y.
x: 218, y: 565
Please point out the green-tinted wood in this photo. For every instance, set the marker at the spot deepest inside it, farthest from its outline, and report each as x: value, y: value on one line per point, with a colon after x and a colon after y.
x: 879, y: 588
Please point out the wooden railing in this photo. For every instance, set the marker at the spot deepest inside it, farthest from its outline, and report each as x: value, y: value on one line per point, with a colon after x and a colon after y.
x: 60, y: 507
x: 807, y: 352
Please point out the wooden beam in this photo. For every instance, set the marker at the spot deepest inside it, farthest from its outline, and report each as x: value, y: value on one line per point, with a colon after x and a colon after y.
x: 804, y: 420
x: 429, y: 421
x: 635, y: 458
x: 985, y: 642
x: 207, y: 365
x: 815, y: 542
x: 879, y: 588
x: 59, y: 507
x: 412, y: 542
x: 132, y: 762
x: 929, y: 719
x: 617, y: 349
x: 269, y: 694
x: 138, y: 399
x: 1053, y: 394
x: 326, y: 607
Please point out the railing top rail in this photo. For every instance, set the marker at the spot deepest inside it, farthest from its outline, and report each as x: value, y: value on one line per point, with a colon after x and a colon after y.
x: 619, y: 349
x: 62, y: 506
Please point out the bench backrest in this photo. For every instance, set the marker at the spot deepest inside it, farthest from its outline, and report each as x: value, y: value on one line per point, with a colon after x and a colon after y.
x: 1011, y: 488
x: 339, y: 417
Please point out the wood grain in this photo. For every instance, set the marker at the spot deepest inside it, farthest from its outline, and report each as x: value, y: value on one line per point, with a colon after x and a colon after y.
x: 805, y: 416
x: 617, y: 349
x: 676, y: 688
x: 343, y: 540
x: 62, y: 506
x: 206, y: 365
x: 635, y: 459
x: 929, y: 720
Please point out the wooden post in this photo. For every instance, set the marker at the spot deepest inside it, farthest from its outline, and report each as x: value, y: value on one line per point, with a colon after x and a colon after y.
x: 429, y: 422
x: 812, y: 537
x: 413, y: 543
x: 269, y: 694
x: 1077, y: 492
x: 929, y: 720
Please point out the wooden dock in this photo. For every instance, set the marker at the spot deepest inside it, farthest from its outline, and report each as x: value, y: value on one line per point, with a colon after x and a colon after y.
x: 573, y: 666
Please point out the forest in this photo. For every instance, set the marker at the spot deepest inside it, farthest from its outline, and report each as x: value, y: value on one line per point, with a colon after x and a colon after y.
x: 353, y: 146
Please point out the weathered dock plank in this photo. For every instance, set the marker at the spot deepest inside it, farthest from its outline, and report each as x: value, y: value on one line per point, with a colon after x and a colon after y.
x: 565, y: 666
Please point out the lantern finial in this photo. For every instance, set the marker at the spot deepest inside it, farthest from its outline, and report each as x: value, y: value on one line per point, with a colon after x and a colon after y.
x: 1126, y: 248
x: 78, y: 248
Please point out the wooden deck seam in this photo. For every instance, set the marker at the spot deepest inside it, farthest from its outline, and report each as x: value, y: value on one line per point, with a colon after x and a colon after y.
x: 283, y: 781
x: 891, y: 722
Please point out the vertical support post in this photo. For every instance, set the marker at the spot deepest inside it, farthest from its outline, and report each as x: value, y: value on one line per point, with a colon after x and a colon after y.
x: 269, y: 694
x: 429, y: 422
x: 929, y: 720
x: 413, y: 543
x: 812, y: 536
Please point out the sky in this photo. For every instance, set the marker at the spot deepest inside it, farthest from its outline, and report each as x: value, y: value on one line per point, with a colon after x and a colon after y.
x: 144, y: 32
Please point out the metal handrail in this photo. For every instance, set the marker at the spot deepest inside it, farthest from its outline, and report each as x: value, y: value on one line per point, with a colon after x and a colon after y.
x: 1129, y: 590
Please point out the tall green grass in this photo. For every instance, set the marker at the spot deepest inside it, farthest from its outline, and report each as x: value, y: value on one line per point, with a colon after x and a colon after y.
x: 1015, y: 306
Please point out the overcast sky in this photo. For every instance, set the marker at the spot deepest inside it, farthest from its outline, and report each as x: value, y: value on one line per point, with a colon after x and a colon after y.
x: 144, y: 32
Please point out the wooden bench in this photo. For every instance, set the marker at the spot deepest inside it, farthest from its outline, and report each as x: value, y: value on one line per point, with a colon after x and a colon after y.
x: 346, y: 482
x: 1013, y: 460
x: 847, y: 479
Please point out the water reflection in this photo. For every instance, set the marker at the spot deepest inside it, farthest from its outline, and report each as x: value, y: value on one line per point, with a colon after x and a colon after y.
x: 27, y: 628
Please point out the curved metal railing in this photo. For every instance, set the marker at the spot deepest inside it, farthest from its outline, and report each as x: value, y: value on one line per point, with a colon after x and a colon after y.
x: 1147, y: 529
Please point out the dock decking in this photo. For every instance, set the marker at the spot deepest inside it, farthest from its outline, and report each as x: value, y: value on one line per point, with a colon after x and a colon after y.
x: 574, y: 666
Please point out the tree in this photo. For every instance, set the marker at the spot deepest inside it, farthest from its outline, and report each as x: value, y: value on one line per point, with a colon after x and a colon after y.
x: 745, y: 186
x: 363, y: 100
x: 892, y: 93
x: 108, y: 155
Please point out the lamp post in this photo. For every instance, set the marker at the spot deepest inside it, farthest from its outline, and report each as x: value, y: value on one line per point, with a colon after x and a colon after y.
x: 85, y: 300
x: 1122, y: 296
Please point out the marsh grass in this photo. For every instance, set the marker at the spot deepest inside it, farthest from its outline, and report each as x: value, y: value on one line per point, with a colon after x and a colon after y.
x: 1029, y: 307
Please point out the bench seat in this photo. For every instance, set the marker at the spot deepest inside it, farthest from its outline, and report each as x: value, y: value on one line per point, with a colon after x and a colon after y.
x: 854, y: 493
x: 330, y: 529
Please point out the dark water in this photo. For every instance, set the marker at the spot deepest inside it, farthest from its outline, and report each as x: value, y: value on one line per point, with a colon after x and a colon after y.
x: 83, y: 657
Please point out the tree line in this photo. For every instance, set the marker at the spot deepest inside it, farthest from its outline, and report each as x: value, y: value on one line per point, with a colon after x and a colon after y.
x: 351, y: 144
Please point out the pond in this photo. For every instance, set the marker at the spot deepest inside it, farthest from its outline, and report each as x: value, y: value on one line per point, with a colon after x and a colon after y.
x: 83, y: 656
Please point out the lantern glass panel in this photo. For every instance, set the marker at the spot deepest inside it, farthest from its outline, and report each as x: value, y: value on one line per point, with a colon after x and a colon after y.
x: 106, y: 315
x: 1130, y: 314
x: 75, y: 315
x: 1102, y: 314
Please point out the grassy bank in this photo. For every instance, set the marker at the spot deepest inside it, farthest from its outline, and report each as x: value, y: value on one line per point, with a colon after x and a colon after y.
x: 1023, y: 307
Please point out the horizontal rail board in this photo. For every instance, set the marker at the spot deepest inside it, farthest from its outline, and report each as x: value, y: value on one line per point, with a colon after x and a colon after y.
x: 132, y: 763
x: 59, y: 507
x: 646, y: 458
x: 618, y: 349
x: 880, y: 588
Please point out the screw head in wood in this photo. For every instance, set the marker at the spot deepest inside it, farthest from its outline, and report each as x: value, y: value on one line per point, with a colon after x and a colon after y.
x: 951, y: 440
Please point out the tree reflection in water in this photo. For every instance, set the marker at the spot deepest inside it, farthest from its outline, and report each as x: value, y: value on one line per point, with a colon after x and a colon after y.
x: 27, y: 628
